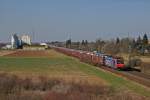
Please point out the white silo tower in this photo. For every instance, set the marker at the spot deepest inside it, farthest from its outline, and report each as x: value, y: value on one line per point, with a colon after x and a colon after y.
x: 12, y: 41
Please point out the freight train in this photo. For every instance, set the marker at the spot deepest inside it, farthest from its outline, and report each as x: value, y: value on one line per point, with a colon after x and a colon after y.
x: 94, y: 58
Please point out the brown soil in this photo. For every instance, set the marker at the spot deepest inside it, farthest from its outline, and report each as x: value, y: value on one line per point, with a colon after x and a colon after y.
x: 21, y: 53
x: 5, y: 52
x: 145, y: 68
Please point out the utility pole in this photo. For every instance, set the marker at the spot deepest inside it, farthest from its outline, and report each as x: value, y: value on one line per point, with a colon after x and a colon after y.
x: 33, y: 33
x: 129, y: 50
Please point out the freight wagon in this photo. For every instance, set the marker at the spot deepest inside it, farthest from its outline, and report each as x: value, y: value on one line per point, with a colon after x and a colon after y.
x: 94, y: 58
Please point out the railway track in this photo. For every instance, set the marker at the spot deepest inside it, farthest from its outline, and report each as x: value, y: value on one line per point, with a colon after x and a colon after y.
x: 132, y: 75
x: 139, y: 74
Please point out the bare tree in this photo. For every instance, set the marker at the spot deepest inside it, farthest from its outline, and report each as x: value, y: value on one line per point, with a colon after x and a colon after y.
x: 99, y: 44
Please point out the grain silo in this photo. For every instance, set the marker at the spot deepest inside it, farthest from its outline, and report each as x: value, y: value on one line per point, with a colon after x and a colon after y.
x: 15, y: 42
x: 26, y: 39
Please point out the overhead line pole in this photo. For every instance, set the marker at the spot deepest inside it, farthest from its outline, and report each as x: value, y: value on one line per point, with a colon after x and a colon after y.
x: 129, y: 49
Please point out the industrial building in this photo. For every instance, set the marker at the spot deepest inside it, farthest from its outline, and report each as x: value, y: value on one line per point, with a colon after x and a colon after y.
x: 18, y: 42
x: 26, y: 39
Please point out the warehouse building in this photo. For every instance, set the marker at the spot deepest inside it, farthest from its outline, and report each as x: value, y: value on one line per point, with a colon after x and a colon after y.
x: 26, y: 40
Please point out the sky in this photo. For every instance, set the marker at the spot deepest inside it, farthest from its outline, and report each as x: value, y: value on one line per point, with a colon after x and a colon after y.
x: 52, y: 20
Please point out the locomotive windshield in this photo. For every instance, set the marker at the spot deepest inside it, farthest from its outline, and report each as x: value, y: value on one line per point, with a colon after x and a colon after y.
x: 120, y: 61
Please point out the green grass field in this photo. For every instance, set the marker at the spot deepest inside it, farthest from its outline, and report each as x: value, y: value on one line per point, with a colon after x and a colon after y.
x: 36, y: 65
x: 63, y: 65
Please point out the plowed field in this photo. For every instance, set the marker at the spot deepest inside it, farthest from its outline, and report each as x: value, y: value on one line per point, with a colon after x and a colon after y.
x: 6, y: 52
x: 21, y: 53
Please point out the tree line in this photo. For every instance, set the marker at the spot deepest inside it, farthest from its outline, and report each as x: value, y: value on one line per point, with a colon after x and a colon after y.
x: 119, y: 45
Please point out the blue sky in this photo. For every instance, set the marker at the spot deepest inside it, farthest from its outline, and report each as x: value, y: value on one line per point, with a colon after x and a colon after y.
x: 80, y: 19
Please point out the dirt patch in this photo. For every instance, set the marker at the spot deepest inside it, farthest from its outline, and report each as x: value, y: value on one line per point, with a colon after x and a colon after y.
x: 6, y: 52
x: 23, y: 53
x: 145, y: 68
x: 145, y: 59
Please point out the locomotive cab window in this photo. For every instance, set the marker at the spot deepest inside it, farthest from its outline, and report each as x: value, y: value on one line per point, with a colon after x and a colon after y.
x: 119, y: 61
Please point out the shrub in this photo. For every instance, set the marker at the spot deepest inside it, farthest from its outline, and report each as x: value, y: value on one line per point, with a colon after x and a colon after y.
x: 15, y: 88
